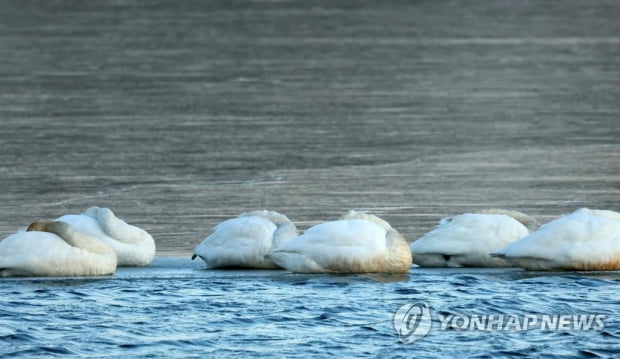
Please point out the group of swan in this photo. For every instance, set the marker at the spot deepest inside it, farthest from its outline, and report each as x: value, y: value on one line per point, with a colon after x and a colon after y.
x: 356, y: 243
x: 88, y: 244
x: 95, y: 242
x: 362, y: 243
x: 585, y: 240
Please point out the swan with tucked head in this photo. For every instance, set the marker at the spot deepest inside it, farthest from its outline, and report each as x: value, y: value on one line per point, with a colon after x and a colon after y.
x: 467, y: 239
x: 585, y: 240
x: 245, y: 240
x: 52, y: 248
x: 133, y: 245
x: 356, y: 243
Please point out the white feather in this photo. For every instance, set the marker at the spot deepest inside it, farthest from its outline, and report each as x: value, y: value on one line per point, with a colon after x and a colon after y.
x: 133, y: 245
x: 466, y: 241
x: 357, y: 244
x: 583, y: 240
x: 37, y: 253
x: 245, y: 240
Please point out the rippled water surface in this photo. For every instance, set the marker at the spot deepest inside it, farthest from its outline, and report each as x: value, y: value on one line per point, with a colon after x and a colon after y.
x: 176, y: 308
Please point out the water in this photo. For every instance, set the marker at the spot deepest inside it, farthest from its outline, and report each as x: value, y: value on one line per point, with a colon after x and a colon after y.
x: 180, y: 115
x: 176, y: 308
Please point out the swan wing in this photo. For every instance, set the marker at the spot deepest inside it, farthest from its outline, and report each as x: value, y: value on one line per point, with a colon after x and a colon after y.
x: 241, y: 241
x: 470, y: 233
x: 578, y: 240
x: 47, y: 254
x: 338, y: 246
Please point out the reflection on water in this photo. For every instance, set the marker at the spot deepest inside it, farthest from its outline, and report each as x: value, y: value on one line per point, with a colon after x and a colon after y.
x: 176, y: 308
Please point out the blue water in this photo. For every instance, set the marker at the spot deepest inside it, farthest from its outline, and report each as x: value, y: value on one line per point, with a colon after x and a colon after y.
x: 176, y: 308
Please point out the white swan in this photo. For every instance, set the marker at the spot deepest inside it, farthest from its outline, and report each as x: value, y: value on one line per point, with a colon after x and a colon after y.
x: 467, y: 239
x: 52, y: 248
x: 585, y: 240
x: 357, y: 243
x: 133, y: 245
x: 245, y: 240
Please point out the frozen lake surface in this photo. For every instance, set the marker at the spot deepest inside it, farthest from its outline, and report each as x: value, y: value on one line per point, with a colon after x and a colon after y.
x: 179, y: 116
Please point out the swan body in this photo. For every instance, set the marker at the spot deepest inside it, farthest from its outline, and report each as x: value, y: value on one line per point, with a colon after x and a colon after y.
x: 585, y: 240
x: 467, y: 239
x: 245, y: 240
x: 356, y: 243
x: 54, y: 249
x: 133, y: 246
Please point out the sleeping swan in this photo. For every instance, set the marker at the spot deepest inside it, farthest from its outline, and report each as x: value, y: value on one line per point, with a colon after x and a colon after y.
x: 245, y: 240
x: 49, y: 248
x: 357, y: 243
x: 133, y: 245
x: 467, y: 239
x: 585, y: 240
